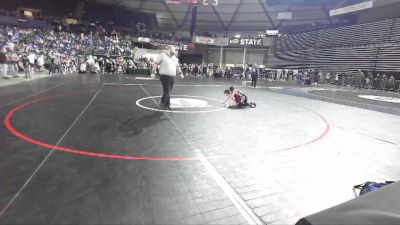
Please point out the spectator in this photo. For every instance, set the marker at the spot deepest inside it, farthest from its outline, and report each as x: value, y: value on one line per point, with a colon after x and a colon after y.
x: 210, y: 72
x: 390, y: 84
x: 325, y: 77
x: 196, y: 70
x: 3, y: 63
x: 377, y: 81
x: 384, y: 82
x: 31, y: 58
x: 368, y: 80
x: 52, y: 65
x: 204, y: 71
x: 358, y: 78
x: 254, y: 75
x: 10, y: 46
x: 13, y: 60
x: 26, y: 65
x: 40, y: 62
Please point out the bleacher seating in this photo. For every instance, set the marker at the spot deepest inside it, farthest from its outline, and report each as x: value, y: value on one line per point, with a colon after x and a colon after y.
x: 361, y: 34
x: 396, y: 31
x: 370, y: 46
x: 389, y: 58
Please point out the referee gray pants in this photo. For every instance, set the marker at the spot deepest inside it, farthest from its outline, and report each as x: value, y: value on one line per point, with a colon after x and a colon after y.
x: 167, y: 83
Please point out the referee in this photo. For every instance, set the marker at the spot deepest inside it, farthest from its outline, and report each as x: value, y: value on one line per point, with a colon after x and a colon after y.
x: 168, y: 68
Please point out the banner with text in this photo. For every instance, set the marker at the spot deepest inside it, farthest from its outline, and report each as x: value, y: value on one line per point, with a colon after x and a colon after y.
x: 246, y: 42
x: 204, y: 40
x: 144, y: 39
x: 352, y: 8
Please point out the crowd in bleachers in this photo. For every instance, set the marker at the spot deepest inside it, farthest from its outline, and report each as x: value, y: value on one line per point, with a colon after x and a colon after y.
x: 62, y: 50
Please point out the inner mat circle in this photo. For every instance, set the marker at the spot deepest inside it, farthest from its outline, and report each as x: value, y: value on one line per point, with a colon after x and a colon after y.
x: 184, y: 104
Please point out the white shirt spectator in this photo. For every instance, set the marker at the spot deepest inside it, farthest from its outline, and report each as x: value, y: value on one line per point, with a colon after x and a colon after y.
x: 90, y: 61
x: 40, y: 61
x: 82, y: 68
x: 10, y: 46
x: 97, y: 67
x: 31, y: 58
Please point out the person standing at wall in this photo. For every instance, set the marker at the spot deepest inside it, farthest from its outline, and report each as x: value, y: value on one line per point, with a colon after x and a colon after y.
x: 368, y: 80
x: 204, y: 71
x: 14, y: 59
x: 26, y: 64
x: 31, y: 58
x: 384, y: 82
x: 169, y: 67
x: 390, y: 84
x: 40, y: 63
x: 338, y: 79
x: 3, y: 63
x: 52, y: 66
x: 358, y: 79
x: 210, y: 72
x: 254, y: 75
x: 196, y: 70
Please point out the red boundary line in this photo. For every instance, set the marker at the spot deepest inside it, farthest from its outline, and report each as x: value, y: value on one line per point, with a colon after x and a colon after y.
x: 15, y: 132
x: 326, y: 131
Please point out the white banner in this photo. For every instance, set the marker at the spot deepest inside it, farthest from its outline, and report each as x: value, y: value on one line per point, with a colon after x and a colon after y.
x: 284, y: 15
x: 203, y: 40
x: 173, y: 1
x: 177, y: 2
x: 272, y: 32
x: 352, y: 8
x: 143, y: 39
x: 210, y: 2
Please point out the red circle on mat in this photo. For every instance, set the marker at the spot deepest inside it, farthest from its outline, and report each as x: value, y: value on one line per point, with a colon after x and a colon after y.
x: 15, y: 132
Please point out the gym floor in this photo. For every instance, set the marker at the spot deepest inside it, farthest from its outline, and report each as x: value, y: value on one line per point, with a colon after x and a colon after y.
x: 97, y: 149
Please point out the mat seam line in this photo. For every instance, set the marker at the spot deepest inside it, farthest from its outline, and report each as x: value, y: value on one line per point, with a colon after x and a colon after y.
x: 237, y: 201
x: 16, y: 195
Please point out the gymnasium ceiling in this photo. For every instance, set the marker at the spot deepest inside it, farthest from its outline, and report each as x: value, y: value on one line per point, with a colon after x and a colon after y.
x: 236, y: 15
